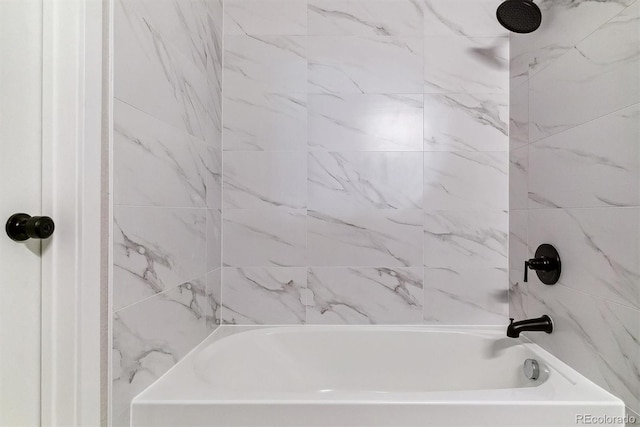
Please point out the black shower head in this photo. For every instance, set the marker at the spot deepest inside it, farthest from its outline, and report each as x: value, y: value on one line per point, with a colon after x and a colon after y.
x: 519, y: 16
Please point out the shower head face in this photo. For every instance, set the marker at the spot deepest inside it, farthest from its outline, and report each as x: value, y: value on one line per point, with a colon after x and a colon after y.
x: 519, y: 16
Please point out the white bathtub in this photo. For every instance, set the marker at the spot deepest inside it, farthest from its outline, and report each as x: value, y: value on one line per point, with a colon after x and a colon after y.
x: 369, y: 376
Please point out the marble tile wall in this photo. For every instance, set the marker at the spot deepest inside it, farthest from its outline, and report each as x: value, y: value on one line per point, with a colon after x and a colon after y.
x: 167, y: 162
x: 365, y: 162
x: 575, y: 183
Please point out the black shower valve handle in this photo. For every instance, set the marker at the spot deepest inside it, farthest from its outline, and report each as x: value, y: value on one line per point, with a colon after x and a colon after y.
x: 542, y: 264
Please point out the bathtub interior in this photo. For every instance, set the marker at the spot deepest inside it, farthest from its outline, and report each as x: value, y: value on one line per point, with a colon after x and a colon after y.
x: 326, y: 360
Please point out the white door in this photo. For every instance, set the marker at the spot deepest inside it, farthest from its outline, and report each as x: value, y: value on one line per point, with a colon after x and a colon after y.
x: 20, y: 192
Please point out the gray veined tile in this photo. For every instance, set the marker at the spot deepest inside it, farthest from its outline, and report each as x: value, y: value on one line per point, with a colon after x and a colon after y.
x: 265, y: 17
x: 564, y: 24
x: 153, y: 76
x: 599, y: 248
x: 214, y: 70
x: 155, y: 249
x: 377, y: 295
x: 156, y: 164
x: 150, y: 337
x: 365, y: 17
x: 518, y: 253
x: 373, y: 64
x: 264, y: 64
x: 596, y: 337
x: 367, y: 180
x: 214, y: 294
x: 466, y: 239
x: 519, y: 178
x: 365, y: 122
x: 458, y: 64
x: 273, y: 237
x: 212, y: 169
x: 265, y: 122
x: 357, y: 237
x: 599, y: 75
x: 518, y: 115
x: 214, y: 239
x: 466, y: 296
x: 471, y: 18
x: 465, y: 122
x: 188, y: 26
x: 519, y: 250
x: 264, y: 295
x: 518, y: 294
x: 466, y: 180
x: 265, y: 179
x: 603, y: 157
x: 519, y: 58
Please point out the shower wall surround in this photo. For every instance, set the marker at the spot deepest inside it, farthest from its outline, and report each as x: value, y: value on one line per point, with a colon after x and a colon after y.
x: 575, y: 183
x: 365, y: 162
x: 167, y: 187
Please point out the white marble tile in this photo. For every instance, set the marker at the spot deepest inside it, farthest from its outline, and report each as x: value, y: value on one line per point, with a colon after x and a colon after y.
x: 566, y: 23
x: 457, y: 64
x: 187, y: 25
x: 273, y: 237
x: 519, y: 115
x: 365, y: 295
x: 465, y: 122
x: 519, y: 250
x: 365, y: 122
x: 366, y: 180
x: 214, y: 239
x: 518, y: 295
x: 155, y: 164
x: 518, y: 253
x: 214, y: 294
x: 213, y: 172
x: 264, y: 64
x: 365, y: 17
x: 215, y: 20
x: 598, y: 76
x: 365, y: 237
x: 155, y: 249
x: 466, y: 239
x: 520, y: 57
x: 153, y: 76
x: 596, y: 337
x: 265, y: 179
x: 471, y: 18
x: 265, y: 122
x: 466, y: 297
x: 465, y: 180
x: 151, y: 336
x: 595, y: 164
x: 265, y: 17
x: 519, y: 178
x: 264, y: 295
x: 214, y: 135
x: 599, y: 248
x: 374, y: 64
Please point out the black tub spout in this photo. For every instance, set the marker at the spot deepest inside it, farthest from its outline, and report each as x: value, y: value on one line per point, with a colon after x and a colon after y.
x: 544, y: 324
